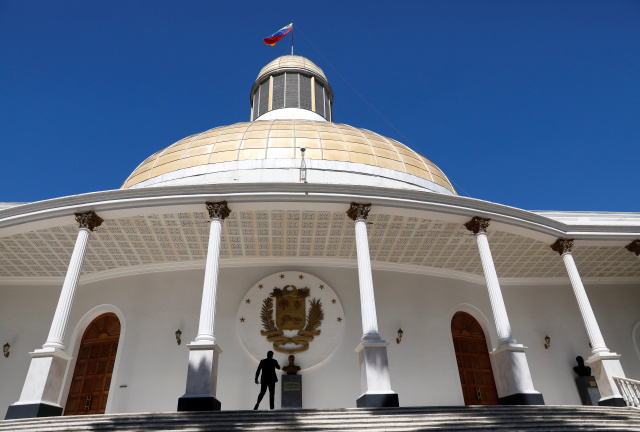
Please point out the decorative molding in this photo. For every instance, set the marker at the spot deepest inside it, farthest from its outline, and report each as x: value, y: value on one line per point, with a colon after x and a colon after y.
x: 358, y: 211
x: 88, y: 220
x: 218, y: 210
x: 562, y: 246
x: 478, y: 224
x: 134, y: 202
x: 634, y: 247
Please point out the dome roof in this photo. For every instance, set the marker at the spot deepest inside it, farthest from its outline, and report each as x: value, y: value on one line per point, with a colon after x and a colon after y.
x: 291, y: 62
x: 336, y: 144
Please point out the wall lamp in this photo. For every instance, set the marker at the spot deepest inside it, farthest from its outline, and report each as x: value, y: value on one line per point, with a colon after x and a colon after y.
x: 399, y: 338
x: 5, y: 349
x: 547, y: 342
x: 178, y: 334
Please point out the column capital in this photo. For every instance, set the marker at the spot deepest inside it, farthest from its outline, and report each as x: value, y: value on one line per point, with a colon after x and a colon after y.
x: 358, y: 211
x: 88, y: 220
x: 478, y: 224
x: 218, y: 210
x: 562, y: 246
x: 634, y: 247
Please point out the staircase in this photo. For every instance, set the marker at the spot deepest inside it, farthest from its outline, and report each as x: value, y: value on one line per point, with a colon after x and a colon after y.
x: 472, y: 418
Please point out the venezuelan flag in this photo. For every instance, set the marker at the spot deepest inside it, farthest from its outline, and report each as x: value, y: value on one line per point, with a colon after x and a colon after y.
x: 271, y: 40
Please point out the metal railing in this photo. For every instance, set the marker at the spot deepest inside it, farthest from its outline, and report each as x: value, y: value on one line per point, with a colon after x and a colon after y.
x: 630, y: 390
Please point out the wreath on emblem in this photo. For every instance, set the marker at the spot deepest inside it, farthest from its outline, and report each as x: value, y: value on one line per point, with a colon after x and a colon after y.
x: 290, y: 305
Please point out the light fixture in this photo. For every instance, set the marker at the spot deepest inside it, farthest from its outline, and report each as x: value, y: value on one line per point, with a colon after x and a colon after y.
x: 399, y: 338
x: 178, y: 334
x: 547, y: 342
x: 5, y: 349
x: 303, y: 166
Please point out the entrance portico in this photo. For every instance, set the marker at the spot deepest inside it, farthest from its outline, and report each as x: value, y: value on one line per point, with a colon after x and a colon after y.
x: 407, y: 236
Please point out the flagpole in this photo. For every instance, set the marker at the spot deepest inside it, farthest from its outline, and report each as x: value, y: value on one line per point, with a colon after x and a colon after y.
x: 291, y: 37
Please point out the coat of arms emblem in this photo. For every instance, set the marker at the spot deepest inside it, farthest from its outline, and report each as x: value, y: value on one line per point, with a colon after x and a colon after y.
x: 290, y: 314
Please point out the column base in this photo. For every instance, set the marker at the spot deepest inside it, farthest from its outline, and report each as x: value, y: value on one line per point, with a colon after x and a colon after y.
x: 202, y: 378
x: 42, y: 386
x: 513, y: 379
x: 522, y: 399
x: 606, y: 366
x: 32, y: 411
x: 612, y: 402
x: 385, y: 400
x: 198, y: 403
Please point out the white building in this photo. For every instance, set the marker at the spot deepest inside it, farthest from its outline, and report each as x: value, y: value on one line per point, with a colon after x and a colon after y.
x: 203, y: 231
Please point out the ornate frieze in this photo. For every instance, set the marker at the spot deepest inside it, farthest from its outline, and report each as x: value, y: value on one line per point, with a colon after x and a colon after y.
x: 88, y: 220
x: 218, y: 210
x: 634, y: 247
x: 562, y: 246
x: 478, y: 224
x: 358, y: 211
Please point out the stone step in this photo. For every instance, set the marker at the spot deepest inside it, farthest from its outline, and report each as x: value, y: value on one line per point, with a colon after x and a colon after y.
x: 546, y: 418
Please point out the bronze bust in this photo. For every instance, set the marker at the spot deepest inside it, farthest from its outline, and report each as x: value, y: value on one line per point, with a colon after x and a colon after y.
x: 291, y: 369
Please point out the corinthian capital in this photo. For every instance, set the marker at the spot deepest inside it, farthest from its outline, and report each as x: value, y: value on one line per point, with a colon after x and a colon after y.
x: 634, y: 247
x: 358, y: 211
x: 218, y: 210
x: 478, y: 224
x: 562, y: 246
x: 88, y: 220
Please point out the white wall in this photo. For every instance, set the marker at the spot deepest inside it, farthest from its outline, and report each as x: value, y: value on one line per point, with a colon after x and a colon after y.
x: 423, y: 367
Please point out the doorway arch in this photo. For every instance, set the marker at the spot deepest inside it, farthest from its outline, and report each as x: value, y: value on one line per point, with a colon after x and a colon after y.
x: 474, y: 363
x: 91, y: 380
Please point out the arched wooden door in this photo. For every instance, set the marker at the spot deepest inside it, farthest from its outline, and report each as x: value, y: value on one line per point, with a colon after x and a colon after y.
x: 92, y: 376
x: 474, y: 364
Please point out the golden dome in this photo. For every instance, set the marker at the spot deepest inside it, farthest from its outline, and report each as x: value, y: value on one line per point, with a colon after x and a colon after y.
x: 282, y: 139
x: 291, y: 62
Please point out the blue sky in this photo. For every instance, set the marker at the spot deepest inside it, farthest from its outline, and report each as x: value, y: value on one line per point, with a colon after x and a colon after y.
x: 533, y: 104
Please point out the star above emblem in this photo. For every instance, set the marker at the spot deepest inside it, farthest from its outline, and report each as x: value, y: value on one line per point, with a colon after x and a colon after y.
x: 242, y: 319
x: 281, y: 276
x: 300, y: 277
x: 339, y: 319
x: 333, y: 301
x: 247, y: 301
x: 260, y: 286
x: 321, y: 287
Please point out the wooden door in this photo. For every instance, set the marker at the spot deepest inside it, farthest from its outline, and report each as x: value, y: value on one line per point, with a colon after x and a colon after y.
x: 92, y: 376
x: 474, y: 364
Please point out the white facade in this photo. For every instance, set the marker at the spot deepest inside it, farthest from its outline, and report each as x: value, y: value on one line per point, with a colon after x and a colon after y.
x: 423, y: 368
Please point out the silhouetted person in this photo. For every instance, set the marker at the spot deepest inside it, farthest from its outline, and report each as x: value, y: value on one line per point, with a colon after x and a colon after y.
x: 269, y: 378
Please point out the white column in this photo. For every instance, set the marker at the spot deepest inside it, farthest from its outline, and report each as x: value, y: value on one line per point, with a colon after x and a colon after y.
x: 206, y: 328
x: 202, y: 372
x: 604, y: 363
x: 372, y: 351
x: 503, y: 327
x: 40, y: 395
x: 513, y: 379
x: 365, y: 278
x: 61, y: 317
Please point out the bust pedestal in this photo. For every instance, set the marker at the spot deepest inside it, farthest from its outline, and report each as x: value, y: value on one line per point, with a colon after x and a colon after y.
x: 588, y: 390
x: 291, y: 391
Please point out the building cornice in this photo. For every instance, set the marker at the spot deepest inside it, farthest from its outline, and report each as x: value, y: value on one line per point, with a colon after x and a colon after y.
x: 139, y: 201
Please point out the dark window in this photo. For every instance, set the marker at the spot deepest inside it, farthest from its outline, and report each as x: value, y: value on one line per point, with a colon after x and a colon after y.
x: 278, y: 92
x: 305, y: 92
x: 264, y: 97
x: 319, y: 99
x: 291, y: 91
